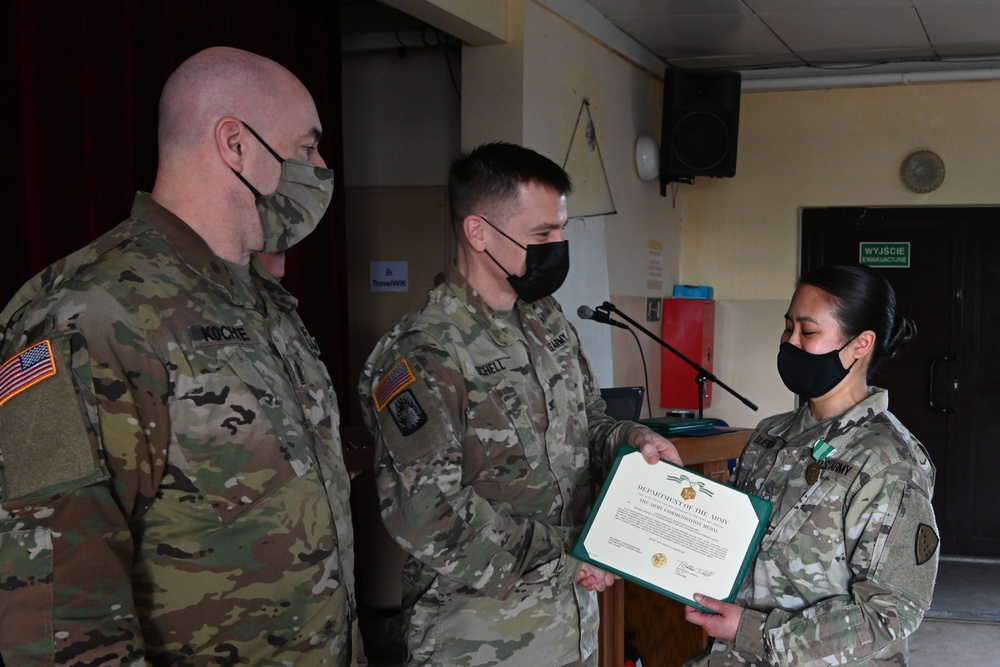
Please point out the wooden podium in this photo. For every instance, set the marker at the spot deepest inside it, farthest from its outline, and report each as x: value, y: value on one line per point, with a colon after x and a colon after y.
x: 655, y: 623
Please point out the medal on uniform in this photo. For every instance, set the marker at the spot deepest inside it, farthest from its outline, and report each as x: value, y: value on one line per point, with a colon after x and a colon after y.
x: 812, y: 473
x: 821, y: 449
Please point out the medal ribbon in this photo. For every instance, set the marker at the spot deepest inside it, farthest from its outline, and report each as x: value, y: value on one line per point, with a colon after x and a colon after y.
x: 822, y: 449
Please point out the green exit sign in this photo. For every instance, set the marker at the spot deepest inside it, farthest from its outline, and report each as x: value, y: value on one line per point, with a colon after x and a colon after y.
x: 885, y: 254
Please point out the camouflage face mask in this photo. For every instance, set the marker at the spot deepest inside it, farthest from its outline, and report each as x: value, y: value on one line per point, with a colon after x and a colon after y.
x: 291, y: 212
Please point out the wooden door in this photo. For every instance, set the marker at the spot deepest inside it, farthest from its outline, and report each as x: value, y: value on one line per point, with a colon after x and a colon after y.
x: 974, y: 482
x: 944, y: 387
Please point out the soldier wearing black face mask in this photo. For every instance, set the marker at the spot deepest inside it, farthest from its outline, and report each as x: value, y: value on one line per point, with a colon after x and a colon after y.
x: 811, y: 375
x: 488, y: 423
x: 546, y: 266
x: 847, y: 566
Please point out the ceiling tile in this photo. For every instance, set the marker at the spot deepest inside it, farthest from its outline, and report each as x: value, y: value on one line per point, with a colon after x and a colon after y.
x: 616, y: 9
x: 963, y: 31
x: 921, y: 4
x: 698, y: 36
x: 848, y: 31
x: 774, y: 6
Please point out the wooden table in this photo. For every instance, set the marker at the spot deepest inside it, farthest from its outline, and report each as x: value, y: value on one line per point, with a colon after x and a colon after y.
x: 654, y: 623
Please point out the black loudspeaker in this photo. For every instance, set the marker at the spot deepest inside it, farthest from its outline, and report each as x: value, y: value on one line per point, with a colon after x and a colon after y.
x: 701, y: 117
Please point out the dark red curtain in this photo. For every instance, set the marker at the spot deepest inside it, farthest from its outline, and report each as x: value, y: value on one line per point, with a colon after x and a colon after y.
x: 82, y: 79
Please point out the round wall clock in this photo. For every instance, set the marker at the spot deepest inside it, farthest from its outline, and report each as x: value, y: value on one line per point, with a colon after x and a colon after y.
x: 922, y: 171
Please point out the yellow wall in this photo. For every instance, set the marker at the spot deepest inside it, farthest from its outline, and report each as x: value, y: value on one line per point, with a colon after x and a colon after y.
x: 838, y: 147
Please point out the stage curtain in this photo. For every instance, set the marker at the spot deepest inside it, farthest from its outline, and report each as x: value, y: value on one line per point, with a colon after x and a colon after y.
x: 82, y: 81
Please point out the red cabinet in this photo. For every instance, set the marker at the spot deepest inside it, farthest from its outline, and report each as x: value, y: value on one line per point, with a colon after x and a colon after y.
x: 689, y: 327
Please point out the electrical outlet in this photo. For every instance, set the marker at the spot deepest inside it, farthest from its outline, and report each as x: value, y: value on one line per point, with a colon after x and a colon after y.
x: 653, y: 309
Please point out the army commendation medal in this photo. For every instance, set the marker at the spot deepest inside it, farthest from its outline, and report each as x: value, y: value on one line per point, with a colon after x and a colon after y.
x: 812, y: 473
x: 821, y: 449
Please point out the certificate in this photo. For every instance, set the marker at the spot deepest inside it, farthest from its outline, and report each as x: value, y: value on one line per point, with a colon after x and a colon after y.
x: 672, y: 530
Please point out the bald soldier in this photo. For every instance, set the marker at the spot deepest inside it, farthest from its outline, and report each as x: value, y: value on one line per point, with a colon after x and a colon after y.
x: 173, y: 489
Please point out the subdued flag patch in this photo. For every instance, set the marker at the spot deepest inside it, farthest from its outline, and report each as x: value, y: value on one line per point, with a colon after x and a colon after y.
x: 25, y: 369
x: 398, y: 378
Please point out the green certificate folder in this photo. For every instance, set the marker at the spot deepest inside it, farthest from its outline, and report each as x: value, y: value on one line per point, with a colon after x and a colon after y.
x: 672, y: 530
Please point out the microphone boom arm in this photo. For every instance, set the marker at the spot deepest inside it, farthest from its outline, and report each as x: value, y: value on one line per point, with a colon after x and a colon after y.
x: 703, y: 374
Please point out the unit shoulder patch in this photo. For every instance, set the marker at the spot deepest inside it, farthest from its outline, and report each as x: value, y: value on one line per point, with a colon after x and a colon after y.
x: 407, y: 413
x: 926, y: 543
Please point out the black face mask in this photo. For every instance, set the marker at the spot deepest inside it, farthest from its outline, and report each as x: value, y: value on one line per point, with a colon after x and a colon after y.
x: 546, y: 266
x: 811, y: 375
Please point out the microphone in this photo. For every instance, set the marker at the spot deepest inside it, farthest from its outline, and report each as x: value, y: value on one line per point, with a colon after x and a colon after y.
x: 588, y: 313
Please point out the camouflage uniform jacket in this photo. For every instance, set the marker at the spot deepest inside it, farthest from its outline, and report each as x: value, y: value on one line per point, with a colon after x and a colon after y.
x: 487, y: 436
x: 173, y: 489
x: 847, y: 565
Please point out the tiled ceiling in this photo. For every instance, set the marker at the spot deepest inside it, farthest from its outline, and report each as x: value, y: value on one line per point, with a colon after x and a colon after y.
x: 754, y: 34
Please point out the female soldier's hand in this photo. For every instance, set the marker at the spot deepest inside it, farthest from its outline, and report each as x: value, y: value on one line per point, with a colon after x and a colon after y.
x: 722, y: 624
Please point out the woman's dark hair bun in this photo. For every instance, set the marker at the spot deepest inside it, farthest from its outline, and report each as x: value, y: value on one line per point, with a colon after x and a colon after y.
x: 904, y: 331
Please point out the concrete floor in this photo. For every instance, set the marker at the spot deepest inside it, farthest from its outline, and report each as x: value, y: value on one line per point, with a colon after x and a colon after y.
x: 940, y: 642
x: 962, y: 626
x: 960, y: 630
x: 937, y: 643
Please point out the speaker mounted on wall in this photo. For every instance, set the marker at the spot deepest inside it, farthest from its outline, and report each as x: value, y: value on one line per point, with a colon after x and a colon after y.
x: 701, y: 118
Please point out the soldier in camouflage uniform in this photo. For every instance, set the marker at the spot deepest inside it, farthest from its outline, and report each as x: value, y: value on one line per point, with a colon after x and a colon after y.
x: 173, y: 490
x: 490, y: 429
x: 847, y: 565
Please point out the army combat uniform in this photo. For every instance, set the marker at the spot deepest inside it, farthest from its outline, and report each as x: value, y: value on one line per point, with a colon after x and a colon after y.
x: 173, y: 489
x: 487, y: 437
x: 846, y: 568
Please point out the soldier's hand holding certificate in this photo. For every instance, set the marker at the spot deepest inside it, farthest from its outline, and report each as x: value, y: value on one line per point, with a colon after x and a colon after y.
x: 671, y: 530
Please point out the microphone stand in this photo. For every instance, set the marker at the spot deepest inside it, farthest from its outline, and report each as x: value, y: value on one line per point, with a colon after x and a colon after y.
x: 703, y: 374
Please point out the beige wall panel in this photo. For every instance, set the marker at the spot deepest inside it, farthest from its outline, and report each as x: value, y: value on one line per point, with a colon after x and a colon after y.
x: 755, y: 377
x: 401, y: 117
x: 389, y: 224
x: 564, y: 66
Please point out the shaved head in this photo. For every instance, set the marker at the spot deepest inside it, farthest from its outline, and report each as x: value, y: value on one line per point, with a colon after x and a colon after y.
x: 218, y: 82
x: 225, y: 115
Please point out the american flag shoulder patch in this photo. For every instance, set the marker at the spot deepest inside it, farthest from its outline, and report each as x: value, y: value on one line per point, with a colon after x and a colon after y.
x: 398, y: 378
x: 26, y: 369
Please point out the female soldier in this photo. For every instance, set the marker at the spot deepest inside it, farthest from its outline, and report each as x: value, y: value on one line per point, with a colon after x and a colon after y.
x: 846, y: 568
